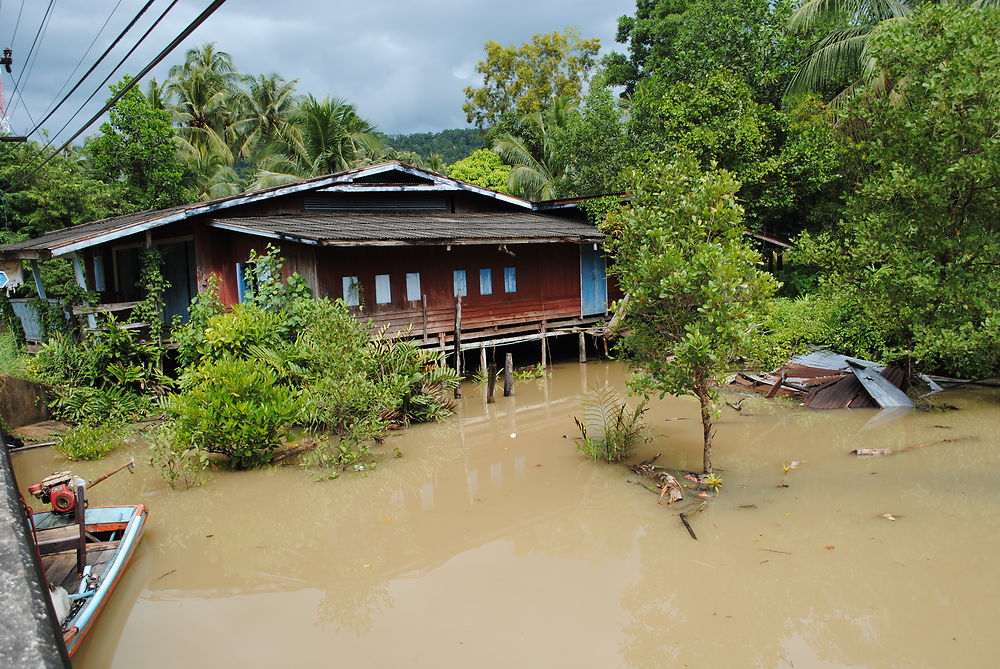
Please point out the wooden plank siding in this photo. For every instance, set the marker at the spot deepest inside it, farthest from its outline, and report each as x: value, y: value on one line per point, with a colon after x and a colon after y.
x: 548, y: 278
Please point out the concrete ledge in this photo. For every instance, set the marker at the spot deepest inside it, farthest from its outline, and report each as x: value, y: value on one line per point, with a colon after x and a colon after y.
x: 22, y: 402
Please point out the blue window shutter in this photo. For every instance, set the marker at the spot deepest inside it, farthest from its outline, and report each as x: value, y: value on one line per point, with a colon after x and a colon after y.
x: 352, y: 295
x: 383, y: 292
x: 510, y: 279
x: 485, y: 282
x: 413, y: 287
x: 241, y: 281
x: 460, y: 287
x: 99, y: 283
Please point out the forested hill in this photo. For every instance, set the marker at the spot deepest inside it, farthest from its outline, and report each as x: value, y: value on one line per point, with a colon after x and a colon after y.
x: 452, y: 144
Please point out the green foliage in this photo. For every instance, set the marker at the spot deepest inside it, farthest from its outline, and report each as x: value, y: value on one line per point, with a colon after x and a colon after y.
x: 451, y: 145
x: 233, y: 407
x: 190, y: 336
x: 687, y: 41
x: 109, y: 376
x: 150, y: 309
x: 915, y: 260
x: 692, y: 281
x: 482, y: 168
x: 530, y: 373
x: 593, y: 146
x: 136, y: 153
x: 610, y: 429
x: 91, y: 442
x: 13, y: 361
x: 529, y: 78
x: 56, y: 196
x: 178, y: 462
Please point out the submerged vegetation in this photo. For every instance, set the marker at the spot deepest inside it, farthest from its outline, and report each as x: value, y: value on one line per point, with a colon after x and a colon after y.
x: 610, y: 429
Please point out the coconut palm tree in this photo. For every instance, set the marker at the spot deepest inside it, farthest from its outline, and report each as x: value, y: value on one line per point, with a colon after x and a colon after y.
x: 264, y: 104
x: 324, y: 136
x: 537, y: 169
x: 840, y: 53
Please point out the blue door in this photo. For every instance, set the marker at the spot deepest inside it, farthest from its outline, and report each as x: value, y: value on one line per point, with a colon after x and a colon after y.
x: 593, y: 281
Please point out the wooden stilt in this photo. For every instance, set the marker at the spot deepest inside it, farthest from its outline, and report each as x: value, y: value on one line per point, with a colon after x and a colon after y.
x: 582, y: 342
x: 545, y: 358
x: 458, y: 343
x: 508, y: 375
x: 491, y: 382
x: 423, y: 311
x: 482, y: 360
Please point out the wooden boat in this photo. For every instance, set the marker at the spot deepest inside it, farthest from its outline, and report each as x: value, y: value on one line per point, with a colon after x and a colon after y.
x: 83, y: 564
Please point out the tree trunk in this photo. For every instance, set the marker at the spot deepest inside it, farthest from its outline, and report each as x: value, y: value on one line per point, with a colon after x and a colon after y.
x: 707, y: 410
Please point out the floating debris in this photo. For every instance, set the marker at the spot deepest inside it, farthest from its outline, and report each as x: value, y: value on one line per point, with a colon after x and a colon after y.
x: 871, y: 452
x: 825, y: 380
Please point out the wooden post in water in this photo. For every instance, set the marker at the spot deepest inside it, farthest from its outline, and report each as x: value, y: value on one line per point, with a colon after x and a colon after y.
x: 458, y: 343
x: 544, y: 352
x: 482, y: 359
x: 582, y: 340
x: 491, y: 381
x: 508, y: 375
x: 81, y: 520
x: 423, y: 309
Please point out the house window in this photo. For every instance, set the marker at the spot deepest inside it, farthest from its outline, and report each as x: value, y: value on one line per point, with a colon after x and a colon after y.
x: 460, y: 288
x: 245, y: 280
x: 99, y: 284
x: 510, y: 279
x: 383, y: 293
x: 352, y: 292
x: 485, y: 282
x: 413, y: 286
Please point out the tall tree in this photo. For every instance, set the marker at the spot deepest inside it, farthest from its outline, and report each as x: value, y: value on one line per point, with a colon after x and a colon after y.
x: 537, y: 168
x: 483, y: 168
x: 529, y: 78
x: 916, y: 256
x: 136, y: 153
x: 264, y: 104
x: 688, y: 41
x: 324, y: 136
x: 691, y: 280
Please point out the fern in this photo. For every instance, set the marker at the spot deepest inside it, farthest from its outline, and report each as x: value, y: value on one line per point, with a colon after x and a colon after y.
x: 610, y: 428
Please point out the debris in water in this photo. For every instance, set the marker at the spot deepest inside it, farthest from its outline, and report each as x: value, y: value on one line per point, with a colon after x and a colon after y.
x: 747, y: 506
x: 890, y: 516
x: 671, y: 488
x: 830, y: 547
x: 871, y: 452
x: 684, y: 520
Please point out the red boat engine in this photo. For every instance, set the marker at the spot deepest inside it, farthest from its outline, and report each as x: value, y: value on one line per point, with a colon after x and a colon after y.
x: 57, y: 490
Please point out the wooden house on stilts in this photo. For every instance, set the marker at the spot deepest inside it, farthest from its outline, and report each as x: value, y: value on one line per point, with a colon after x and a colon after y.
x: 397, y: 242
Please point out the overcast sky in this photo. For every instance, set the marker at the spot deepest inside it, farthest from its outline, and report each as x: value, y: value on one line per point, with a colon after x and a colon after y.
x: 404, y: 64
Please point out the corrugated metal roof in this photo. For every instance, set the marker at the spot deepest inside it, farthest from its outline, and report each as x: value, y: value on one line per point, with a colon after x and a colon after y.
x: 81, y: 236
x: 412, y: 227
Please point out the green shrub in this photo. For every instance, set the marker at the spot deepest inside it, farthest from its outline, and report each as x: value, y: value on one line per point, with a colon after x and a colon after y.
x: 109, y: 376
x: 91, y: 442
x: 178, y: 462
x: 13, y: 361
x: 610, y: 429
x: 235, y: 408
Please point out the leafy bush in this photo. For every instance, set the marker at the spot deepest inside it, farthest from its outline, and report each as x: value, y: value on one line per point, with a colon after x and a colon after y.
x: 91, y: 442
x: 13, y: 362
x: 109, y: 376
x: 610, y: 429
x: 235, y: 408
x: 178, y: 462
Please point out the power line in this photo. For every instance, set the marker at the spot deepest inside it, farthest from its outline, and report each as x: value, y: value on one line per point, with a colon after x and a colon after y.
x: 98, y: 62
x: 110, y: 74
x: 85, y: 53
x: 207, y: 12
x: 17, y: 23
x: 28, y: 60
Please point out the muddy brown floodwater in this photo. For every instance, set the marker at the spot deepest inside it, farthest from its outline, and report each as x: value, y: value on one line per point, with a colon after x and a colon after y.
x: 492, y: 543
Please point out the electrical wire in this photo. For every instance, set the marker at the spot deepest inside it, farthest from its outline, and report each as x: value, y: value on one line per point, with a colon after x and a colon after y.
x: 118, y: 39
x: 191, y: 27
x: 121, y: 62
x: 84, y: 56
x: 31, y: 51
x: 17, y: 23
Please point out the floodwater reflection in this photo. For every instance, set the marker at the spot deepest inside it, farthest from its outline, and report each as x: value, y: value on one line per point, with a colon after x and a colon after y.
x: 492, y: 542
